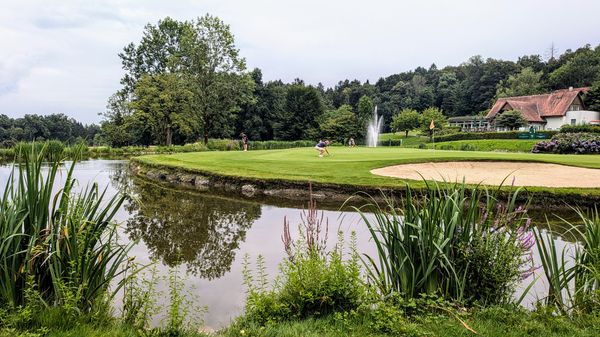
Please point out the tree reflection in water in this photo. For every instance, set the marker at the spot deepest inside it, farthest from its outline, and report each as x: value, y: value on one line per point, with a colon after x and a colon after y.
x: 199, y: 230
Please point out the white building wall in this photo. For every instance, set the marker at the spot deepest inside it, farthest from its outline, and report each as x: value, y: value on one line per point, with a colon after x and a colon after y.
x: 580, y: 117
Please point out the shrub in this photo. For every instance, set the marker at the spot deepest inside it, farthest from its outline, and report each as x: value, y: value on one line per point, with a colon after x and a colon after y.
x: 578, y: 143
x: 312, y: 282
x: 582, y: 128
x: 488, y: 135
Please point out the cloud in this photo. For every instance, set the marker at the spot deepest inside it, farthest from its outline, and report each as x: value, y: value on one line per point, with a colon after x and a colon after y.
x: 62, y: 56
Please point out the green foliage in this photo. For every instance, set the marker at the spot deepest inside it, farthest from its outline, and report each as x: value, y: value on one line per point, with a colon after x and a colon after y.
x: 363, y: 114
x: 303, y: 110
x: 592, y: 97
x: 488, y: 135
x: 64, y: 242
x: 312, y: 282
x: 580, y: 68
x: 511, y: 120
x: 573, y: 287
x: 581, y: 128
x: 527, y: 82
x: 497, y: 145
x: 406, y: 120
x: 435, y: 115
x: 462, y: 244
x: 340, y: 125
x: 196, y: 70
x: 164, y: 101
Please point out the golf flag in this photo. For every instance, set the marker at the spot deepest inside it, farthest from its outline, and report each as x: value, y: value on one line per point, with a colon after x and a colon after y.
x: 432, y: 125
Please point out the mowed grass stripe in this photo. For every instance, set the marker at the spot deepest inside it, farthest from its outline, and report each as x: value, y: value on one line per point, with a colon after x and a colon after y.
x: 346, y: 166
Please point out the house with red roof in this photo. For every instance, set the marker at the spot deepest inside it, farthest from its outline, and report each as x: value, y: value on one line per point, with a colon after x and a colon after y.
x: 548, y: 111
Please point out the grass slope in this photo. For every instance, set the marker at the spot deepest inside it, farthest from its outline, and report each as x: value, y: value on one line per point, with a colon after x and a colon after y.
x: 506, y: 145
x: 346, y: 166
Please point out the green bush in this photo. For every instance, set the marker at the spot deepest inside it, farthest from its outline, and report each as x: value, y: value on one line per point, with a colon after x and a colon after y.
x: 587, y: 128
x: 488, y: 135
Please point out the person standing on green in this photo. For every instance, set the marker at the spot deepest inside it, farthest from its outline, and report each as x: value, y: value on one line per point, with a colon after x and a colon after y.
x: 244, y: 141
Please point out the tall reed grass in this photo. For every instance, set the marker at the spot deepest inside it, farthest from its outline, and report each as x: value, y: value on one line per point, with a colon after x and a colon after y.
x: 460, y: 243
x: 573, y: 272
x: 55, y: 241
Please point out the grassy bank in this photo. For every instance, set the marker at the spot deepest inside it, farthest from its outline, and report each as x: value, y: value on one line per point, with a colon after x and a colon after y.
x: 497, y: 145
x: 346, y: 166
x: 490, y: 322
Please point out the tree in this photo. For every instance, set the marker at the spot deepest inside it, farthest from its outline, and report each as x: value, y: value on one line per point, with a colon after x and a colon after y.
x: 303, y: 108
x: 578, y: 69
x: 406, y: 120
x: 216, y: 74
x: 363, y: 114
x: 526, y: 82
x: 165, y: 101
x: 340, y: 124
x: 432, y: 114
x: 204, y: 54
x: 511, y: 119
x: 592, y: 97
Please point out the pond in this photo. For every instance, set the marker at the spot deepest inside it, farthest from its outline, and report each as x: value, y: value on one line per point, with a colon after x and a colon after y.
x: 208, y: 235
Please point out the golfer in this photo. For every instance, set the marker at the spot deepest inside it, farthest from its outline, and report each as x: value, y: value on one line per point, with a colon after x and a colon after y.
x: 244, y: 141
x: 322, y: 147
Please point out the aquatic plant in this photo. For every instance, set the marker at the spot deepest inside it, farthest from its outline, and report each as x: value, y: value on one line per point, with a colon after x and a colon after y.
x: 460, y: 243
x: 572, y: 273
x: 54, y: 240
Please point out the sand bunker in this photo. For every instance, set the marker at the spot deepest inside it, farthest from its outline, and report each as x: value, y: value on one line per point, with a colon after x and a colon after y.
x: 492, y: 173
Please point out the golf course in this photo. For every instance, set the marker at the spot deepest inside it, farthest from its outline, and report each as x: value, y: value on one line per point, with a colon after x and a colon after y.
x: 353, y: 166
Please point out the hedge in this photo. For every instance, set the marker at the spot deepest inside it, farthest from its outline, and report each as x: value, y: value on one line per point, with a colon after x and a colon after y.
x: 584, y: 128
x: 489, y: 135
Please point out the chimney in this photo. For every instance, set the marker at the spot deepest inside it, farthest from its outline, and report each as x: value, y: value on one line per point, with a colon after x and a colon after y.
x: 570, y: 88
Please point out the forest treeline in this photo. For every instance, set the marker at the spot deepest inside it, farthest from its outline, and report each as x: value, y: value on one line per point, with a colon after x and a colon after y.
x: 50, y: 127
x: 185, y: 82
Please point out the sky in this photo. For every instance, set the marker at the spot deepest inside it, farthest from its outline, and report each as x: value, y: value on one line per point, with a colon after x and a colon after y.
x: 61, y: 56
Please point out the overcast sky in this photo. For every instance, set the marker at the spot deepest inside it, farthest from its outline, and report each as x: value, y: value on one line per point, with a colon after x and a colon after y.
x: 61, y: 56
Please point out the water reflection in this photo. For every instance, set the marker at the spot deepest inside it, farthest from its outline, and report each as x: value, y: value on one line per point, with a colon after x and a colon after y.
x: 181, y: 227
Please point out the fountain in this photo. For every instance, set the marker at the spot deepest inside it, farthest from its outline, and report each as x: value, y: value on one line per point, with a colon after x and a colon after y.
x: 373, y: 129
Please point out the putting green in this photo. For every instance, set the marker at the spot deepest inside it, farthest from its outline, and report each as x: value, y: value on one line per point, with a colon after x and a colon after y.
x: 346, y: 166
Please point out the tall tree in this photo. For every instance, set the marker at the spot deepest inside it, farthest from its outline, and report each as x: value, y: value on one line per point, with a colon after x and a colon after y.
x: 592, y: 97
x: 165, y: 102
x: 363, y: 114
x: 303, y: 108
x: 406, y: 120
x: 215, y: 70
x: 340, y: 125
x: 526, y: 82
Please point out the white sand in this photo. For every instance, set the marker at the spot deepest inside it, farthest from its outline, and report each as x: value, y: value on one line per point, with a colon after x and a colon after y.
x: 492, y: 173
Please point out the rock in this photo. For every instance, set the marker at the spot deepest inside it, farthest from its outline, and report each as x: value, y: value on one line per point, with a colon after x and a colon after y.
x: 248, y: 190
x: 155, y: 175
x: 201, y: 183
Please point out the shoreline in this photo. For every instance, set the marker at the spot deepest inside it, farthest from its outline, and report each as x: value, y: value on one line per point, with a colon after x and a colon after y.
x: 290, y: 190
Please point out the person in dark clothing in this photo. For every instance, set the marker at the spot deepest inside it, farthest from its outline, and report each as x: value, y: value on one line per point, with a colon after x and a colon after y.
x: 322, y: 147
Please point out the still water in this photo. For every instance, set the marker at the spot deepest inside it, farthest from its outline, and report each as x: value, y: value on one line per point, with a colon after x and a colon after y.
x: 206, y: 236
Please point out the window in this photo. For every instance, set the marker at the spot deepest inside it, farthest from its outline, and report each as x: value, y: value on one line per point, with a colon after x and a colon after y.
x: 573, y: 121
x: 574, y: 107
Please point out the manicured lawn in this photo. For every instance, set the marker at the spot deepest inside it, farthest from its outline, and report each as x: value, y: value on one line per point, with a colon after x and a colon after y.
x: 346, y: 166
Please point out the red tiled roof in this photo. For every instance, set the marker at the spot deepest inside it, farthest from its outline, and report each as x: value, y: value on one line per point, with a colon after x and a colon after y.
x: 535, y: 107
